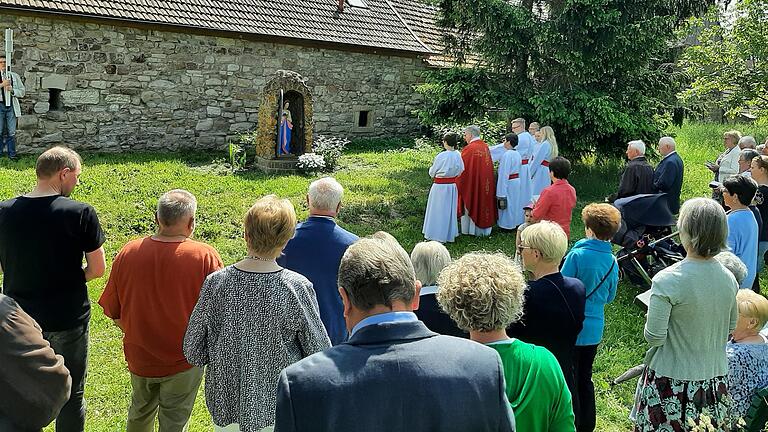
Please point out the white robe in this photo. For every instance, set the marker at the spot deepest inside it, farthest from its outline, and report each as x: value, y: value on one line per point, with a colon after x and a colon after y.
x: 497, y: 151
x: 513, y: 215
x: 440, y: 220
x: 540, y: 173
x: 525, y: 144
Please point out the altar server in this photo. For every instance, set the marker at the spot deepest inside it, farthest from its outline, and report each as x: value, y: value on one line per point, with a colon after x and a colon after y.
x: 508, y: 186
x: 441, y: 218
x: 544, y: 152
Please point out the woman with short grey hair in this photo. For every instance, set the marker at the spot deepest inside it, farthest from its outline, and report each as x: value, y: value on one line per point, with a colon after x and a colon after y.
x: 428, y: 259
x: 691, y: 312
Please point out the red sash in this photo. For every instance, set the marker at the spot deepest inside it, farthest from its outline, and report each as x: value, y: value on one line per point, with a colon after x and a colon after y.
x: 545, y: 163
x: 445, y: 180
x: 525, y: 161
x: 514, y: 176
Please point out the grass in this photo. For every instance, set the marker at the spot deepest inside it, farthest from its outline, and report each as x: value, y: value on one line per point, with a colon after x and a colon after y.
x: 385, y: 190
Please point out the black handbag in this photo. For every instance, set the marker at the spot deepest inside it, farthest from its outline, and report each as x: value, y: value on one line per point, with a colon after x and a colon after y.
x: 501, y: 203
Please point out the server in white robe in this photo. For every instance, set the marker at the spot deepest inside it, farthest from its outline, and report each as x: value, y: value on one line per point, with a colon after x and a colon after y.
x: 544, y: 152
x: 525, y: 143
x: 441, y: 218
x: 508, y: 186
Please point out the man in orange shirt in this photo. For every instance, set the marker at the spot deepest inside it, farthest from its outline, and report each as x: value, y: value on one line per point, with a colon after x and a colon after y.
x: 152, y: 289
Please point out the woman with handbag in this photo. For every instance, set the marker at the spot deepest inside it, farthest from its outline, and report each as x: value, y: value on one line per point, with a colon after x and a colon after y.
x: 553, y: 314
x: 591, y: 261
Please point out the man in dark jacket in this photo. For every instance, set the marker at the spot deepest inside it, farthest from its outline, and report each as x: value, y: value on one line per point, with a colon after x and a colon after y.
x: 638, y: 175
x: 393, y: 374
x: 668, y: 177
x: 34, y: 384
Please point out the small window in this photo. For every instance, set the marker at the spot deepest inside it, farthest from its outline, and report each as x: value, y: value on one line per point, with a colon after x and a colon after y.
x: 54, y: 100
x: 363, y: 119
x: 358, y: 3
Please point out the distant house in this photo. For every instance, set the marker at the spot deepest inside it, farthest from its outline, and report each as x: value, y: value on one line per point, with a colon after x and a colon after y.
x: 149, y: 74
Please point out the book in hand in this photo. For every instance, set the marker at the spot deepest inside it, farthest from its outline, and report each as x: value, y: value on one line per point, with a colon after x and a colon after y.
x: 643, y: 299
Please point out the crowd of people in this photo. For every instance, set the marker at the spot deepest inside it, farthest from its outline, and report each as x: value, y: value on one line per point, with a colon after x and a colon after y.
x: 314, y: 323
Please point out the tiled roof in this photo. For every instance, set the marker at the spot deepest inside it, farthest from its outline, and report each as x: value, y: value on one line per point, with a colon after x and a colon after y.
x: 378, y: 26
x: 422, y: 19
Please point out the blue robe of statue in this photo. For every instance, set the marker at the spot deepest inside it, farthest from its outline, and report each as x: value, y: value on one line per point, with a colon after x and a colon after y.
x: 284, y: 135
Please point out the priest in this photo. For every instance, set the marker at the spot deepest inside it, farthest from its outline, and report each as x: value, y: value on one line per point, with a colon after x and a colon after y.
x: 477, y: 188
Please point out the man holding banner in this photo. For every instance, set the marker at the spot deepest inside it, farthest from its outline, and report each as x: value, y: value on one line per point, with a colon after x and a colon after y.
x: 11, y: 89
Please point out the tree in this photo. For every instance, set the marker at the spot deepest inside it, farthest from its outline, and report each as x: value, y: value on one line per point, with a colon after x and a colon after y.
x: 728, y: 67
x: 601, y: 72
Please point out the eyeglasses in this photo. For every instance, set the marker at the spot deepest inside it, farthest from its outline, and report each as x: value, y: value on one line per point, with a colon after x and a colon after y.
x: 521, y: 247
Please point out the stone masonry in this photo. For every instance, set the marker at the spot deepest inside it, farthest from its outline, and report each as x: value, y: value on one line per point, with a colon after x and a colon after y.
x: 105, y: 87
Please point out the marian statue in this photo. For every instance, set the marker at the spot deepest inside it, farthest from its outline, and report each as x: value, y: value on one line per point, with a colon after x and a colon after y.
x: 284, y: 132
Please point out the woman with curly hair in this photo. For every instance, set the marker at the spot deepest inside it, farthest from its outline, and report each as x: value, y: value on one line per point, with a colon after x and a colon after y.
x: 483, y: 293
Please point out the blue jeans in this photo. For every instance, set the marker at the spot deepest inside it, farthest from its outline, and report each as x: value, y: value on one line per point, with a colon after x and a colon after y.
x: 7, y: 128
x: 73, y: 346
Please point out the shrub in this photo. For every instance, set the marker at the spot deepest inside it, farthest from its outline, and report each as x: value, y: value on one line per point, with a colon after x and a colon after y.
x: 330, y: 148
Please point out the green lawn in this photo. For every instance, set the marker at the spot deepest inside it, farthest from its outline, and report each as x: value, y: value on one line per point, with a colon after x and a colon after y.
x: 385, y: 190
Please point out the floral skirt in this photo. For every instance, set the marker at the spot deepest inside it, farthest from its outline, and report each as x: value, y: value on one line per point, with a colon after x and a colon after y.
x: 666, y: 404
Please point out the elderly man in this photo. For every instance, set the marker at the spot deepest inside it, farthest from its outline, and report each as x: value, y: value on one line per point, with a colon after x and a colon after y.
x: 316, y: 249
x: 747, y: 142
x: 638, y: 175
x: 152, y: 289
x: 393, y: 374
x: 43, y: 238
x: 477, y: 186
x: 34, y: 384
x: 745, y: 161
x: 11, y: 89
x: 668, y: 176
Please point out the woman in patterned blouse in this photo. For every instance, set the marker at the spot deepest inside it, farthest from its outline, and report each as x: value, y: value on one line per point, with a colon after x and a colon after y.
x: 748, y: 351
x: 253, y: 319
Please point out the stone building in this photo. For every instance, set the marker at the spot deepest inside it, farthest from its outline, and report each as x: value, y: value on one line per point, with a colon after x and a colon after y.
x: 149, y: 74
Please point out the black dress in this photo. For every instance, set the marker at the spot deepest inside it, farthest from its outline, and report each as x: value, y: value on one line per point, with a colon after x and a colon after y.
x: 435, y: 319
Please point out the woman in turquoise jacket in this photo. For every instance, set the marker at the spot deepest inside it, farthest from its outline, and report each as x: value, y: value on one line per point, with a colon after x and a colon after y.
x: 591, y: 260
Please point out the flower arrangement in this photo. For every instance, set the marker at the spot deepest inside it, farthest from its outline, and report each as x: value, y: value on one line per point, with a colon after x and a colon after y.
x: 310, y: 163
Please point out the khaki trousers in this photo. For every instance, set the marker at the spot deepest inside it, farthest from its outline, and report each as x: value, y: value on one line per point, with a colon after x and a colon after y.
x: 170, y: 399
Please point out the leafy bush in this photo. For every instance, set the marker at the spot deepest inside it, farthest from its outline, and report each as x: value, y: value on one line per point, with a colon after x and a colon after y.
x: 237, y: 156
x: 310, y: 163
x: 330, y: 148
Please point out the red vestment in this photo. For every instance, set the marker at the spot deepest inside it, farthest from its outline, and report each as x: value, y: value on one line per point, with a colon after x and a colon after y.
x: 477, y: 187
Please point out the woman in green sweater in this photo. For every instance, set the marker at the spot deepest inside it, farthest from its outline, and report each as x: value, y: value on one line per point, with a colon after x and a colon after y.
x: 691, y: 312
x: 483, y: 293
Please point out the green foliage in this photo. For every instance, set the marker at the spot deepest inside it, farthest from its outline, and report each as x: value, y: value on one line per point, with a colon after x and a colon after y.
x: 598, y: 71
x: 237, y: 157
x: 728, y: 68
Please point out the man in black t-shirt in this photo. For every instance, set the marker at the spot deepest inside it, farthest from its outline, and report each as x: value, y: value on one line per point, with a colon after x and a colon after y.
x: 43, y: 238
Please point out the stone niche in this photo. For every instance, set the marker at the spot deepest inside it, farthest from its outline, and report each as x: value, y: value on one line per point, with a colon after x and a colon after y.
x: 297, y: 93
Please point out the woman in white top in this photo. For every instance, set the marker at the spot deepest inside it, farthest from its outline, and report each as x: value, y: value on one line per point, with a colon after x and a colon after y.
x: 543, y: 153
x: 727, y: 164
x: 441, y: 217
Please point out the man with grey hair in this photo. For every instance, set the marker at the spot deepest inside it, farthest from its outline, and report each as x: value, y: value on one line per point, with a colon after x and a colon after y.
x: 477, y: 186
x: 745, y: 161
x: 316, y: 249
x: 152, y: 289
x: 668, y: 176
x: 391, y: 351
x: 638, y: 175
x: 747, y: 142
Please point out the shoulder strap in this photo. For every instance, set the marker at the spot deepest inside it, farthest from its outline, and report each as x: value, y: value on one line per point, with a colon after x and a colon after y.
x: 610, y: 270
x: 570, y: 311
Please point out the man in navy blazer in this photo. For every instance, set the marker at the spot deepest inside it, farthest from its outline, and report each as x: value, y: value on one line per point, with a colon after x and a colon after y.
x: 316, y: 249
x: 393, y: 374
x: 668, y: 176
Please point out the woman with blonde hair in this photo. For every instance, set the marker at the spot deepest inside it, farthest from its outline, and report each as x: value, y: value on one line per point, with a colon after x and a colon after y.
x: 484, y: 294
x: 747, y: 351
x: 253, y: 319
x: 554, y: 304
x: 544, y: 151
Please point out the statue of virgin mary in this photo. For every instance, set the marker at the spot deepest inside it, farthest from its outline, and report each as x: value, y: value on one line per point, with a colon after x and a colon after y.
x: 284, y: 132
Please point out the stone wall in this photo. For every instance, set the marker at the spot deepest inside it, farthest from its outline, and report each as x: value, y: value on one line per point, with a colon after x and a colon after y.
x: 99, y: 86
